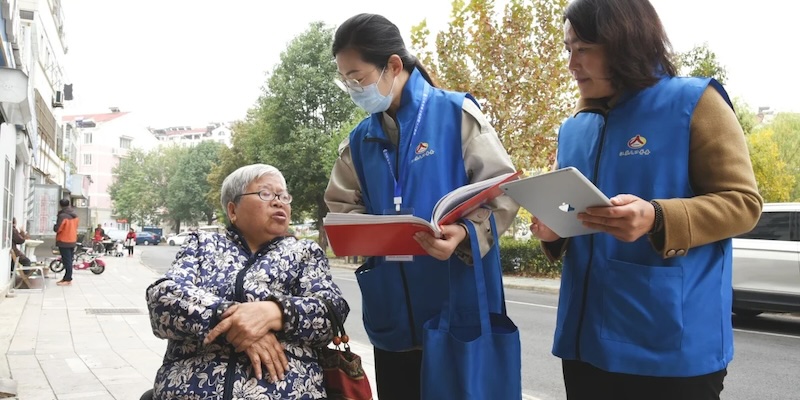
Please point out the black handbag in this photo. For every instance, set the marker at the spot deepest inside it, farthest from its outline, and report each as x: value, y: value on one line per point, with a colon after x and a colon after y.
x: 345, y: 378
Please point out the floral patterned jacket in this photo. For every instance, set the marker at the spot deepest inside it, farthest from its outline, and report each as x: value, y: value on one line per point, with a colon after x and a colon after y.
x: 212, y: 268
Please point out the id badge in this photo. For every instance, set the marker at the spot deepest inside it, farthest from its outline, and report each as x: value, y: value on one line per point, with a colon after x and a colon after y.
x: 405, y: 211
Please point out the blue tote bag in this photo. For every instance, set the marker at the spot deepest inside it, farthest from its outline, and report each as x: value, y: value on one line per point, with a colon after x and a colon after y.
x: 469, y: 352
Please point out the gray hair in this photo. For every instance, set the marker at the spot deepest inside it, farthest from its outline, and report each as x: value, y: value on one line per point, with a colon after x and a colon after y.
x: 236, y: 183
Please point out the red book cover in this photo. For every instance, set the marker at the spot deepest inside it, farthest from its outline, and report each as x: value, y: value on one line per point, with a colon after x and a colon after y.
x: 390, y: 239
x: 387, y: 235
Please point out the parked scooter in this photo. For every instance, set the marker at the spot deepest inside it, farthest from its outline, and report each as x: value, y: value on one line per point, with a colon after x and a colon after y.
x: 84, y: 259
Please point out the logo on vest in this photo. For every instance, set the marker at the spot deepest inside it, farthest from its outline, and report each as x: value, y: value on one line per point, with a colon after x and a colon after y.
x: 636, y: 145
x: 637, y: 142
x: 422, y: 150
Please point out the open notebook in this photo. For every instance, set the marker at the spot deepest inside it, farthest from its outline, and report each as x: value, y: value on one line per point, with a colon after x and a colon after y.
x: 386, y: 235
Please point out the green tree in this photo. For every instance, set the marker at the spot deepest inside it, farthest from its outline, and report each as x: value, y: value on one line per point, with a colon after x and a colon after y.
x: 786, y: 135
x: 188, y: 187
x: 701, y: 61
x: 160, y: 166
x: 514, y: 64
x: 745, y: 115
x: 775, y: 180
x: 295, y: 124
x: 132, y: 193
x: 247, y: 145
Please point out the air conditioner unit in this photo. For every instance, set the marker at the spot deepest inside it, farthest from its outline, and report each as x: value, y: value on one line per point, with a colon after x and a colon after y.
x: 26, y: 14
x: 7, y: 7
x: 114, y: 151
x: 58, y: 99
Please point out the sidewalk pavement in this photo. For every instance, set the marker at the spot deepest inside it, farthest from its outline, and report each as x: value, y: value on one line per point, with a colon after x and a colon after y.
x: 92, y: 340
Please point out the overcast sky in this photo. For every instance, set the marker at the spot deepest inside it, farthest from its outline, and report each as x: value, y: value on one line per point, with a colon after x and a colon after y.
x: 189, y: 62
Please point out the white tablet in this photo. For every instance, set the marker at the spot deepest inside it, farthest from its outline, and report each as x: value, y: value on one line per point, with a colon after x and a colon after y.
x: 556, y: 198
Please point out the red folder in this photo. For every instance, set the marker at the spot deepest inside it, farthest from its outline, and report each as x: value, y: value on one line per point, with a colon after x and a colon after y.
x: 389, y: 235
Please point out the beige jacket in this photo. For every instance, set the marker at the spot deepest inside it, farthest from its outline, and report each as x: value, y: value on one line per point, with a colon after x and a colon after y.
x: 484, y: 158
x: 727, y: 202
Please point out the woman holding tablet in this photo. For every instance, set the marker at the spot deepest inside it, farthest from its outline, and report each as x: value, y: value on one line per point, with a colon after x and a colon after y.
x: 645, y: 305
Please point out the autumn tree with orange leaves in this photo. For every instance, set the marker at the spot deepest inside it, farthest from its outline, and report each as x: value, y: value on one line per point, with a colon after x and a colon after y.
x: 514, y: 64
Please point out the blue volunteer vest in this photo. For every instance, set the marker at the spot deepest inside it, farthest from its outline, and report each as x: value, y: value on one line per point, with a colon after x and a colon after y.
x: 399, y: 297
x: 622, y: 307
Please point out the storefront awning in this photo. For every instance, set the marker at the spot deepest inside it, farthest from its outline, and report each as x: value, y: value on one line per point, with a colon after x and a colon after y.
x: 14, y: 96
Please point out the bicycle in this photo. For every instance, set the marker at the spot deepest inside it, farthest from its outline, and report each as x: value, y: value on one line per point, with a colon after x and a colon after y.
x: 98, y: 247
x: 86, y: 259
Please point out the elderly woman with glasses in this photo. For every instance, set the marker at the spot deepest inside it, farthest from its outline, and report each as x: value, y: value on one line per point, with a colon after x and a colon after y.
x: 243, y: 311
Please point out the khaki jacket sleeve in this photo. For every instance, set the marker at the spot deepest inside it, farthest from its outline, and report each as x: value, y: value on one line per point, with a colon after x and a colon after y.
x: 727, y: 202
x: 484, y: 158
x: 343, y: 194
x: 554, y: 250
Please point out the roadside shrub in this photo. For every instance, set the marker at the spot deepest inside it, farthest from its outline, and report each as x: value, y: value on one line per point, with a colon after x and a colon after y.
x: 517, y: 257
x: 526, y: 258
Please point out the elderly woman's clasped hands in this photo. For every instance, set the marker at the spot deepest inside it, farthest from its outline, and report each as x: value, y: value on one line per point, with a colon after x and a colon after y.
x: 251, y: 328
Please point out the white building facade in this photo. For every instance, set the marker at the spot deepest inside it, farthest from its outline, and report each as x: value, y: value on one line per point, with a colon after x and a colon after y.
x: 187, y: 136
x: 103, y: 140
x: 34, y: 169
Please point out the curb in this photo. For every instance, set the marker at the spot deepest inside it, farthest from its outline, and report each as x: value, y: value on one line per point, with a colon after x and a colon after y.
x: 343, y: 265
x: 532, y: 287
x: 141, y: 262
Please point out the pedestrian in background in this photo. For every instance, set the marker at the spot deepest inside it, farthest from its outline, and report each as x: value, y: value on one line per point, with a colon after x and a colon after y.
x: 66, y: 229
x: 645, y: 306
x: 97, y: 240
x: 18, y: 237
x: 130, y: 241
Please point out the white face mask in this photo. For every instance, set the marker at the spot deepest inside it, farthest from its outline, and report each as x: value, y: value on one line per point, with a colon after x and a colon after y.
x: 371, y: 99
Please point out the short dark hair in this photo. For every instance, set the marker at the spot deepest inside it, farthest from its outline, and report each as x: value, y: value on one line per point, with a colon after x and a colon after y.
x: 376, y: 39
x: 637, y: 48
x: 63, y: 202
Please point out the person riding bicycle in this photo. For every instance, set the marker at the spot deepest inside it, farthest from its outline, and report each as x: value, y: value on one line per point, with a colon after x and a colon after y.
x: 99, y: 236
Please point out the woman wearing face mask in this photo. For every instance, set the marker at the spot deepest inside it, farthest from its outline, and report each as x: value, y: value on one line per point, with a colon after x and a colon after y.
x: 419, y: 143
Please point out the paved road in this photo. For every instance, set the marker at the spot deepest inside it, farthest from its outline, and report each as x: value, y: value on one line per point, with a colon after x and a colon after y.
x: 765, y: 367
x: 159, y: 257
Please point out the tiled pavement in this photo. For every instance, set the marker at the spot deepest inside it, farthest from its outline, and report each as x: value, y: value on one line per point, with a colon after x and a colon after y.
x: 56, y: 349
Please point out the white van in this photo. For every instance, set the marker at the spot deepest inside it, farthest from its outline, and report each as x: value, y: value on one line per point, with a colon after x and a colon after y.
x: 766, y: 263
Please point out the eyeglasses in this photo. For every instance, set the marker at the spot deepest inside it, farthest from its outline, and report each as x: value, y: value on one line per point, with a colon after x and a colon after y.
x: 355, y: 84
x: 266, y: 195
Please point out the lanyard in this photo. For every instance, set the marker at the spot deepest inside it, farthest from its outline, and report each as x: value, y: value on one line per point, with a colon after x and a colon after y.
x: 399, y: 178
